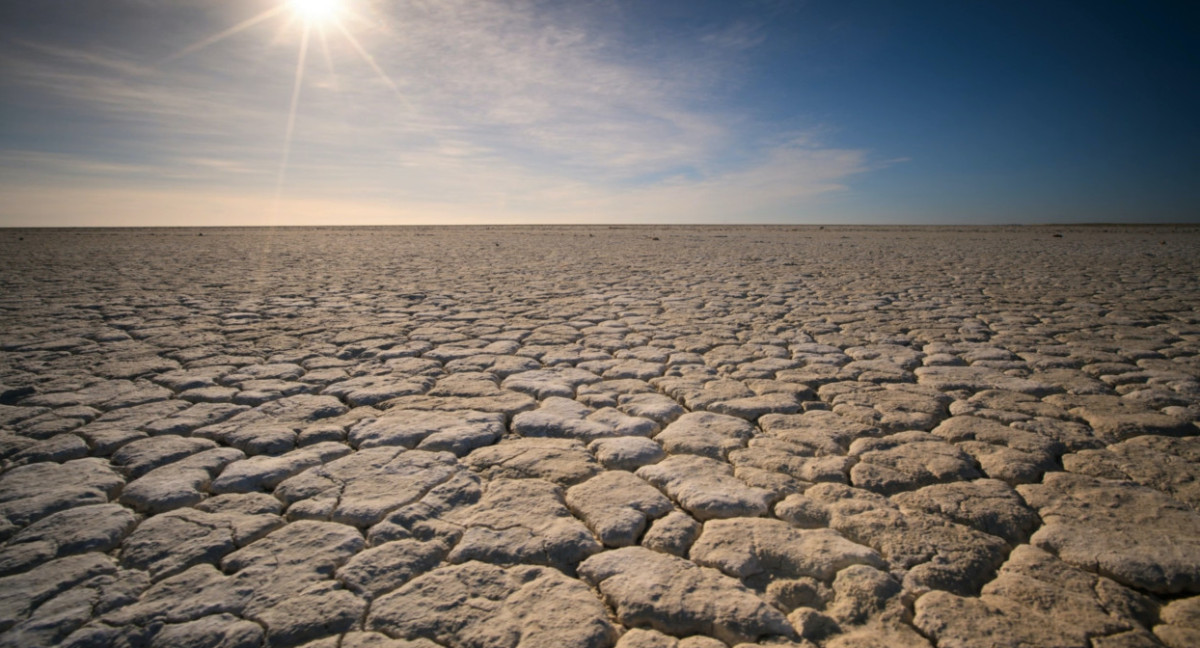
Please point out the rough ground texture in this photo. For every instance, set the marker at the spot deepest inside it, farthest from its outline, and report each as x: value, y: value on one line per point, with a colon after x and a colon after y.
x: 599, y: 437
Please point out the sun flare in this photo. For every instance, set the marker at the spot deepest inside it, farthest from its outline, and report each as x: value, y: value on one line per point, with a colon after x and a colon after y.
x: 316, y: 10
x: 311, y: 20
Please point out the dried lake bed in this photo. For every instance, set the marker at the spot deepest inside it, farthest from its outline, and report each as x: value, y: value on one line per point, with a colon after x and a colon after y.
x: 643, y: 437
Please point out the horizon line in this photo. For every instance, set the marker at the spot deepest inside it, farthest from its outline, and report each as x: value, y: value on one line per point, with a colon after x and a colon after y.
x: 1088, y: 224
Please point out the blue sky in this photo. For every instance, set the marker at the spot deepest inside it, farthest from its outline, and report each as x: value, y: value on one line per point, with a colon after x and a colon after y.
x: 252, y: 112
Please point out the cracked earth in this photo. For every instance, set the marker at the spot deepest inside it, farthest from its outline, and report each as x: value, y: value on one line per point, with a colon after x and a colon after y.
x: 596, y: 436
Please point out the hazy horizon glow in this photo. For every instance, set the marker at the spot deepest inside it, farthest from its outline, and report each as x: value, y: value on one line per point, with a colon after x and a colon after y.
x: 374, y: 112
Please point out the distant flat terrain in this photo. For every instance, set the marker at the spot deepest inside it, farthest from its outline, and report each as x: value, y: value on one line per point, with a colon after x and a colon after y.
x: 644, y: 437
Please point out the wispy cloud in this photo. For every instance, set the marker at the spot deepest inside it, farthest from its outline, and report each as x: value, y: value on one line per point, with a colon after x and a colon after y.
x: 741, y: 35
x: 502, y: 109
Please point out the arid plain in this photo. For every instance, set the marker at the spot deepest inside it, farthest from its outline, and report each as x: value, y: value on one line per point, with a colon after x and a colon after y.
x: 643, y: 437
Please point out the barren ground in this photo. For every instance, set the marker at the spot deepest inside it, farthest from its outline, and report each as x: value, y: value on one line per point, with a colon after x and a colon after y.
x: 597, y: 436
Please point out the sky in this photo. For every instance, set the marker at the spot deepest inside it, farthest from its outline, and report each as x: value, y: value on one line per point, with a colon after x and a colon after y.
x: 382, y: 112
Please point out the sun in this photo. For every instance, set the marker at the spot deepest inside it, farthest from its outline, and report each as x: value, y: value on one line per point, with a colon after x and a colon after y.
x: 317, y: 18
x: 316, y: 10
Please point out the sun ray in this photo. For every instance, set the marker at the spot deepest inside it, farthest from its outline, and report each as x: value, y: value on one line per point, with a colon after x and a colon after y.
x: 291, y: 121
x: 302, y: 16
x: 370, y: 60
x: 337, y: 86
x: 220, y: 36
